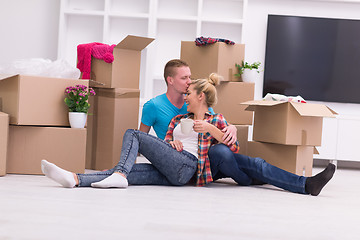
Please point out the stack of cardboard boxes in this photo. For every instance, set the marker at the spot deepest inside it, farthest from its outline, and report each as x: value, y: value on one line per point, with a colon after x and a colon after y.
x: 221, y: 58
x: 37, y: 126
x: 4, y: 130
x: 115, y: 107
x: 285, y: 133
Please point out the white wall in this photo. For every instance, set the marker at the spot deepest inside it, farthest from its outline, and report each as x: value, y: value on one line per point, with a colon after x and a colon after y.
x: 29, y: 29
x: 256, y: 23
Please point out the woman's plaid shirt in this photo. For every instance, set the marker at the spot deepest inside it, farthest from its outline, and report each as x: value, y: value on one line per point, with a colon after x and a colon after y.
x: 205, y: 141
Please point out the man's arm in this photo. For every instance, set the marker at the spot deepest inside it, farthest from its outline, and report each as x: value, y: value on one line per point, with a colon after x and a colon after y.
x: 144, y: 128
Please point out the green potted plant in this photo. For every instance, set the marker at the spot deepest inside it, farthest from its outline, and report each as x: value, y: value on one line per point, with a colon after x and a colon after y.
x: 77, y: 101
x: 245, y: 69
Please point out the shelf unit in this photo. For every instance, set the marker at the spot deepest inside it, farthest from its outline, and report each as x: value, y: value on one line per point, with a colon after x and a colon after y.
x: 168, y: 21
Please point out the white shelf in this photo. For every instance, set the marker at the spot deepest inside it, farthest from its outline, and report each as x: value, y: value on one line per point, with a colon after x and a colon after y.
x: 177, y: 18
x: 168, y: 21
x: 85, y: 13
x: 129, y: 15
x: 223, y: 20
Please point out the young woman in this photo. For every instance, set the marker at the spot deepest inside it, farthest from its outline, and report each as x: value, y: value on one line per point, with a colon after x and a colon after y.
x: 175, y: 160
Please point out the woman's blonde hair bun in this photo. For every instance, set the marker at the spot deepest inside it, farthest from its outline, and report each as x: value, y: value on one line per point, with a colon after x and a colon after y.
x: 215, y: 79
x: 207, y: 86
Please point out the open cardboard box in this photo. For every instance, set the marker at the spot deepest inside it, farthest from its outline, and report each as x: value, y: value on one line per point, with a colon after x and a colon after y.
x: 294, y: 159
x: 34, y: 100
x: 229, y: 95
x: 28, y: 145
x: 218, y: 58
x: 288, y: 123
x: 242, y: 137
x: 114, y: 111
x: 4, y: 130
x: 124, y: 71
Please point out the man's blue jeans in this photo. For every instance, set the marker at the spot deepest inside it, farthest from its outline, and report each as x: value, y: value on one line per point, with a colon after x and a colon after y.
x: 247, y: 170
x: 169, y: 167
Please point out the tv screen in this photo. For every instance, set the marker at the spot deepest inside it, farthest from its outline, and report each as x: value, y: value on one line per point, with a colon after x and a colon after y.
x: 316, y: 58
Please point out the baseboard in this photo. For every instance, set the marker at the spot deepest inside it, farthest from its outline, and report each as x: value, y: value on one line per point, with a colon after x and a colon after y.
x: 339, y: 163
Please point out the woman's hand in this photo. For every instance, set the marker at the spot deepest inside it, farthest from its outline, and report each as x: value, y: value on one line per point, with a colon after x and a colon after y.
x: 177, y: 145
x: 201, y: 126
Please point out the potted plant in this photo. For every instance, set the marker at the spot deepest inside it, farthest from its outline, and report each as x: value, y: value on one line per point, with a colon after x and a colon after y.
x: 245, y: 70
x: 77, y: 101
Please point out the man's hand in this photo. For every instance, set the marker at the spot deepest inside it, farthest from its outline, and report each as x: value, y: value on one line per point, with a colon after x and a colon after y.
x: 230, y: 135
x: 177, y: 145
x: 144, y: 128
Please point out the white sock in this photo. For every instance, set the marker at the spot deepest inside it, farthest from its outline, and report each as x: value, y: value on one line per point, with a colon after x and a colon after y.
x: 115, y: 180
x: 59, y: 175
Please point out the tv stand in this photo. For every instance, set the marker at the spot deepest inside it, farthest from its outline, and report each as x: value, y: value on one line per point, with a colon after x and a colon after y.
x: 340, y: 139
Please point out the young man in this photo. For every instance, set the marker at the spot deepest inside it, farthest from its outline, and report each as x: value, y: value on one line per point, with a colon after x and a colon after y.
x: 159, y: 111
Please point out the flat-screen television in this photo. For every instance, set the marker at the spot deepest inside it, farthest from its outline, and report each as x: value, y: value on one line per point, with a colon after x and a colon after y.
x: 316, y: 58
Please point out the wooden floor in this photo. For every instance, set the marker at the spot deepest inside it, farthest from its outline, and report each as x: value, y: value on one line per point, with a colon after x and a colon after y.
x: 35, y: 207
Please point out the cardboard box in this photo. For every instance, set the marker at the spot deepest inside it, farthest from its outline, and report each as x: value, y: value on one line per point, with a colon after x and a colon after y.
x: 124, y: 71
x: 213, y: 58
x: 115, y: 111
x: 288, y: 122
x: 4, y: 130
x: 230, y: 94
x: 90, y: 146
x: 33, y: 100
x: 28, y: 145
x: 242, y: 136
x: 294, y: 159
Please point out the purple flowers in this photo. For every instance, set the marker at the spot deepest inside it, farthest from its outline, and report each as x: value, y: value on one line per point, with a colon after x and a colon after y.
x: 77, y: 98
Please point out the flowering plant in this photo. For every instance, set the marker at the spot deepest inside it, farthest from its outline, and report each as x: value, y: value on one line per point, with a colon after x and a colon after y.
x: 76, y: 98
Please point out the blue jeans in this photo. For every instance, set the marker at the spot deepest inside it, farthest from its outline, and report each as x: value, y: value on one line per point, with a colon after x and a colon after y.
x: 247, y: 170
x: 169, y: 167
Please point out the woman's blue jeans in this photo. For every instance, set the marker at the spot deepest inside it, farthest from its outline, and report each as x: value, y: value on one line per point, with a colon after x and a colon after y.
x: 247, y: 170
x: 168, y: 166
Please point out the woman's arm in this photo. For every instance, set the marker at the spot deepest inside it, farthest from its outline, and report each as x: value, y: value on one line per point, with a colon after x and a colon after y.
x: 218, y: 123
x: 202, y: 126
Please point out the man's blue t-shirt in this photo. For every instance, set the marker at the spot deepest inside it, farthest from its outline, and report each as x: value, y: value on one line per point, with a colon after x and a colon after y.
x: 158, y: 112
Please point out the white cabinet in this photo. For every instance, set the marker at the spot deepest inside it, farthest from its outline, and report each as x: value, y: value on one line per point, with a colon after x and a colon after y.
x: 348, y: 141
x: 327, y: 150
x: 168, y: 21
x: 341, y: 138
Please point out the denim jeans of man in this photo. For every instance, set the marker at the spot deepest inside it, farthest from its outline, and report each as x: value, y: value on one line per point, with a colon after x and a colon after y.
x: 168, y: 166
x: 246, y: 170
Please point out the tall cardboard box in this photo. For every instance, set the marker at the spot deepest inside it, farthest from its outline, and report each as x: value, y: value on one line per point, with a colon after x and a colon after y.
x: 28, y: 145
x: 115, y: 111
x: 213, y: 58
x: 294, y: 159
x: 242, y: 137
x: 90, y: 141
x: 34, y: 100
x: 288, y: 123
x: 4, y: 130
x: 124, y: 71
x: 230, y: 94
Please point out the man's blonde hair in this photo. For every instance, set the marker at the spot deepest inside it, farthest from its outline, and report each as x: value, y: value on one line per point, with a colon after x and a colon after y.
x: 170, y: 66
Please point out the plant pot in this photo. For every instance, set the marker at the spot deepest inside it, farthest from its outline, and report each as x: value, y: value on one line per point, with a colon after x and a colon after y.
x: 77, y: 119
x: 249, y: 75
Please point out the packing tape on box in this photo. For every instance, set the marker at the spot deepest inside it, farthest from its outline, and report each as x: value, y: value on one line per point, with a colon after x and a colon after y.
x: 119, y: 93
x: 96, y: 82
